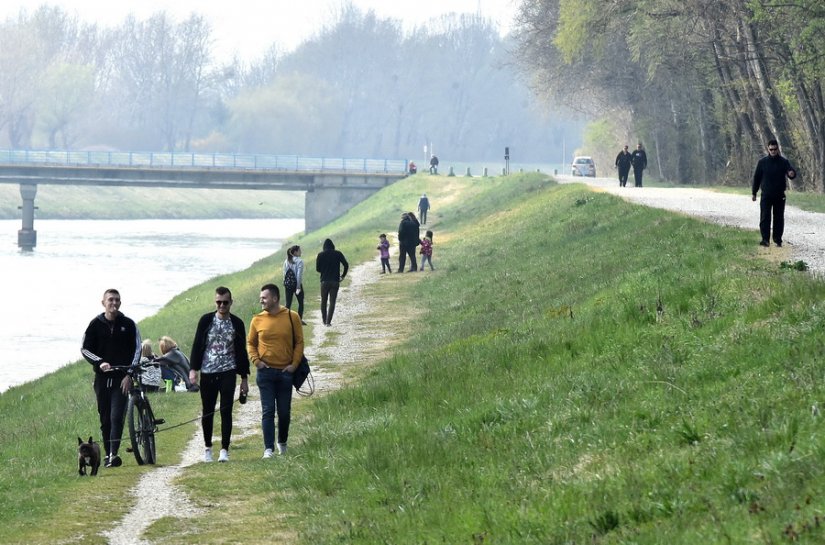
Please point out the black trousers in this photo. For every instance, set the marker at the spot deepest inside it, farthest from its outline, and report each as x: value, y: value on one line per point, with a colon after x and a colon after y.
x: 111, y: 407
x: 329, y: 294
x: 299, y: 297
x: 772, y: 206
x: 213, y: 384
x: 637, y: 173
x: 403, y: 252
x: 623, y: 172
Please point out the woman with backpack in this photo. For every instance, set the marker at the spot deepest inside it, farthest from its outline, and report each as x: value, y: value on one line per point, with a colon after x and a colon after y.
x: 293, y: 279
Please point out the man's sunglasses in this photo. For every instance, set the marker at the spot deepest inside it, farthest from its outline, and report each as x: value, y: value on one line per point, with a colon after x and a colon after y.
x: 221, y: 303
x: 773, y: 149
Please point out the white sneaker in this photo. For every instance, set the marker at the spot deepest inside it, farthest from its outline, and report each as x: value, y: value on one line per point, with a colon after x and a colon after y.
x: 207, y: 454
x: 281, y: 448
x: 223, y: 456
x: 267, y: 453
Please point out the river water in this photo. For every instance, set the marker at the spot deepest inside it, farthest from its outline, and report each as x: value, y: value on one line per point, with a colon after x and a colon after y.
x: 50, y: 295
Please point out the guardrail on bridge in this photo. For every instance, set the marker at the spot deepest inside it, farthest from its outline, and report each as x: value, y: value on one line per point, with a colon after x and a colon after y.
x: 202, y: 160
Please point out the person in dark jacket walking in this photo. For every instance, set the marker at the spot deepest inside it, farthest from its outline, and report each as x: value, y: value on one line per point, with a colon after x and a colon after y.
x: 111, y: 339
x: 219, y: 353
x: 329, y: 263
x: 423, y: 207
x: 639, y: 161
x: 409, y: 238
x: 623, y: 162
x: 770, y: 175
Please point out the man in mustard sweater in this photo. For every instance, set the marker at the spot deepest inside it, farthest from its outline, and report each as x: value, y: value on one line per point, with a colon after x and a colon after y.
x: 275, y: 344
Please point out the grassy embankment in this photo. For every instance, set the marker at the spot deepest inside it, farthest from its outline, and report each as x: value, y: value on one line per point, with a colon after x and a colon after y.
x: 589, y: 371
x: 77, y: 202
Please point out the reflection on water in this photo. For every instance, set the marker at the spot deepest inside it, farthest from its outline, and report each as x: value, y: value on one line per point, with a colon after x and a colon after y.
x: 52, y: 293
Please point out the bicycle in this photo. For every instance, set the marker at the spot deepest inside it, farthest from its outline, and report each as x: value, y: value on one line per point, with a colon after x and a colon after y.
x: 142, y: 421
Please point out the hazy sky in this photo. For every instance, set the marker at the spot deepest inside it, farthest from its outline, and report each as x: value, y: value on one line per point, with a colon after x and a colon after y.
x: 249, y: 27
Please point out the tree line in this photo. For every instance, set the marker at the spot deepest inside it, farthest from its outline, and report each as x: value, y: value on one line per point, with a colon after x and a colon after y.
x: 361, y: 87
x: 703, y: 83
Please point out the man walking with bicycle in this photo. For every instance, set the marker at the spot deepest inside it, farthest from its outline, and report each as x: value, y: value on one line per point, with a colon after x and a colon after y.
x: 111, y: 340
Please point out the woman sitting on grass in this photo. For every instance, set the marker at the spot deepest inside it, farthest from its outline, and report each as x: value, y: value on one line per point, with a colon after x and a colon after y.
x: 175, y: 362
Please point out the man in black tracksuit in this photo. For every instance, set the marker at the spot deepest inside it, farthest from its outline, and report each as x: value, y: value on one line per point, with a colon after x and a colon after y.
x: 111, y: 339
x: 639, y: 161
x: 770, y: 176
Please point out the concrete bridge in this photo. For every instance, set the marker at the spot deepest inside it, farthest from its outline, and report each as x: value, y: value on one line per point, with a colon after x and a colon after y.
x: 332, y: 186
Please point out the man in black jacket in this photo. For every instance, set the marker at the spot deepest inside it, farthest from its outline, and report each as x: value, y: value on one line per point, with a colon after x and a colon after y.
x: 770, y: 175
x: 623, y: 162
x: 329, y: 262
x: 409, y: 236
x: 219, y: 353
x: 639, y: 161
x: 111, y: 339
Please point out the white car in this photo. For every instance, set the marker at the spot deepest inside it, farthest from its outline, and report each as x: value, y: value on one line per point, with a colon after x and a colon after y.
x: 583, y: 166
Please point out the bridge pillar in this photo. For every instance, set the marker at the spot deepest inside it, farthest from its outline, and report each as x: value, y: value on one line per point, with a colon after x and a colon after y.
x: 331, y: 197
x: 27, y: 236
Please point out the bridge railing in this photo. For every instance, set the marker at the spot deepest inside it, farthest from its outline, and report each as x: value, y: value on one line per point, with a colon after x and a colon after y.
x: 202, y: 160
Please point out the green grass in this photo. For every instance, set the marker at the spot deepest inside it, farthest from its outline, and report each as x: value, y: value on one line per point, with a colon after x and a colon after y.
x: 584, y: 371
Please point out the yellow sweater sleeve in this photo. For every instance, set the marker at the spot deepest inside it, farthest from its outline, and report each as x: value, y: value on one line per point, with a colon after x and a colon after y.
x: 270, y: 339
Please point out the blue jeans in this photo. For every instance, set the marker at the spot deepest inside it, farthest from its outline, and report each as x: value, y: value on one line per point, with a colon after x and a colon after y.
x: 275, y: 387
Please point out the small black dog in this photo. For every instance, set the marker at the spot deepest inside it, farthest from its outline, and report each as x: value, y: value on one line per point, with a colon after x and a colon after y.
x: 88, y: 454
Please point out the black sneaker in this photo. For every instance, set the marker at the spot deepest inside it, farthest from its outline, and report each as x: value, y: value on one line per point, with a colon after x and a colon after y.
x: 114, y: 461
x: 764, y: 243
x: 779, y: 243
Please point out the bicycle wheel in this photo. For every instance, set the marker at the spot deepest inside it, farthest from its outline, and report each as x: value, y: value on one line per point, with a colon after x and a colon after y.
x: 149, y: 455
x: 141, y: 430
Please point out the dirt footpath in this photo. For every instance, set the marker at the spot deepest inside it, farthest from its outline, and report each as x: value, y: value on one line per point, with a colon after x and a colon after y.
x: 358, y: 336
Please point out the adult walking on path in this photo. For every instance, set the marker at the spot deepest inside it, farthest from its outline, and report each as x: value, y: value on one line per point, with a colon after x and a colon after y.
x: 639, y: 162
x: 275, y: 345
x: 409, y: 237
x: 294, y: 279
x: 771, y: 175
x: 219, y: 354
x: 623, y: 162
x: 329, y: 263
x: 111, y: 339
x: 423, y: 207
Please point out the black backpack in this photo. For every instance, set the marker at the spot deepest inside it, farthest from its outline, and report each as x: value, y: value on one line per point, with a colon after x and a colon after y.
x: 290, y: 280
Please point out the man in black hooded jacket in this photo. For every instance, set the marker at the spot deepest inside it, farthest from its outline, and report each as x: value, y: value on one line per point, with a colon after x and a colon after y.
x: 111, y: 341
x: 771, y: 173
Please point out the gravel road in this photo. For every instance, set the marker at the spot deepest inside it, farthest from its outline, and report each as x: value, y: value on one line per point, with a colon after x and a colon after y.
x: 804, y: 231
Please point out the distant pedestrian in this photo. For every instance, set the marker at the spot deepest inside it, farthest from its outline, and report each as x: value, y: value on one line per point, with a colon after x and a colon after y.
x: 770, y: 175
x: 427, y: 250
x: 329, y: 263
x: 219, y: 353
x: 111, y: 339
x: 623, y: 163
x: 413, y: 168
x: 423, y: 207
x: 408, y: 240
x: 384, y: 250
x: 275, y: 345
x: 639, y: 161
x: 433, y: 165
x: 294, y: 278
